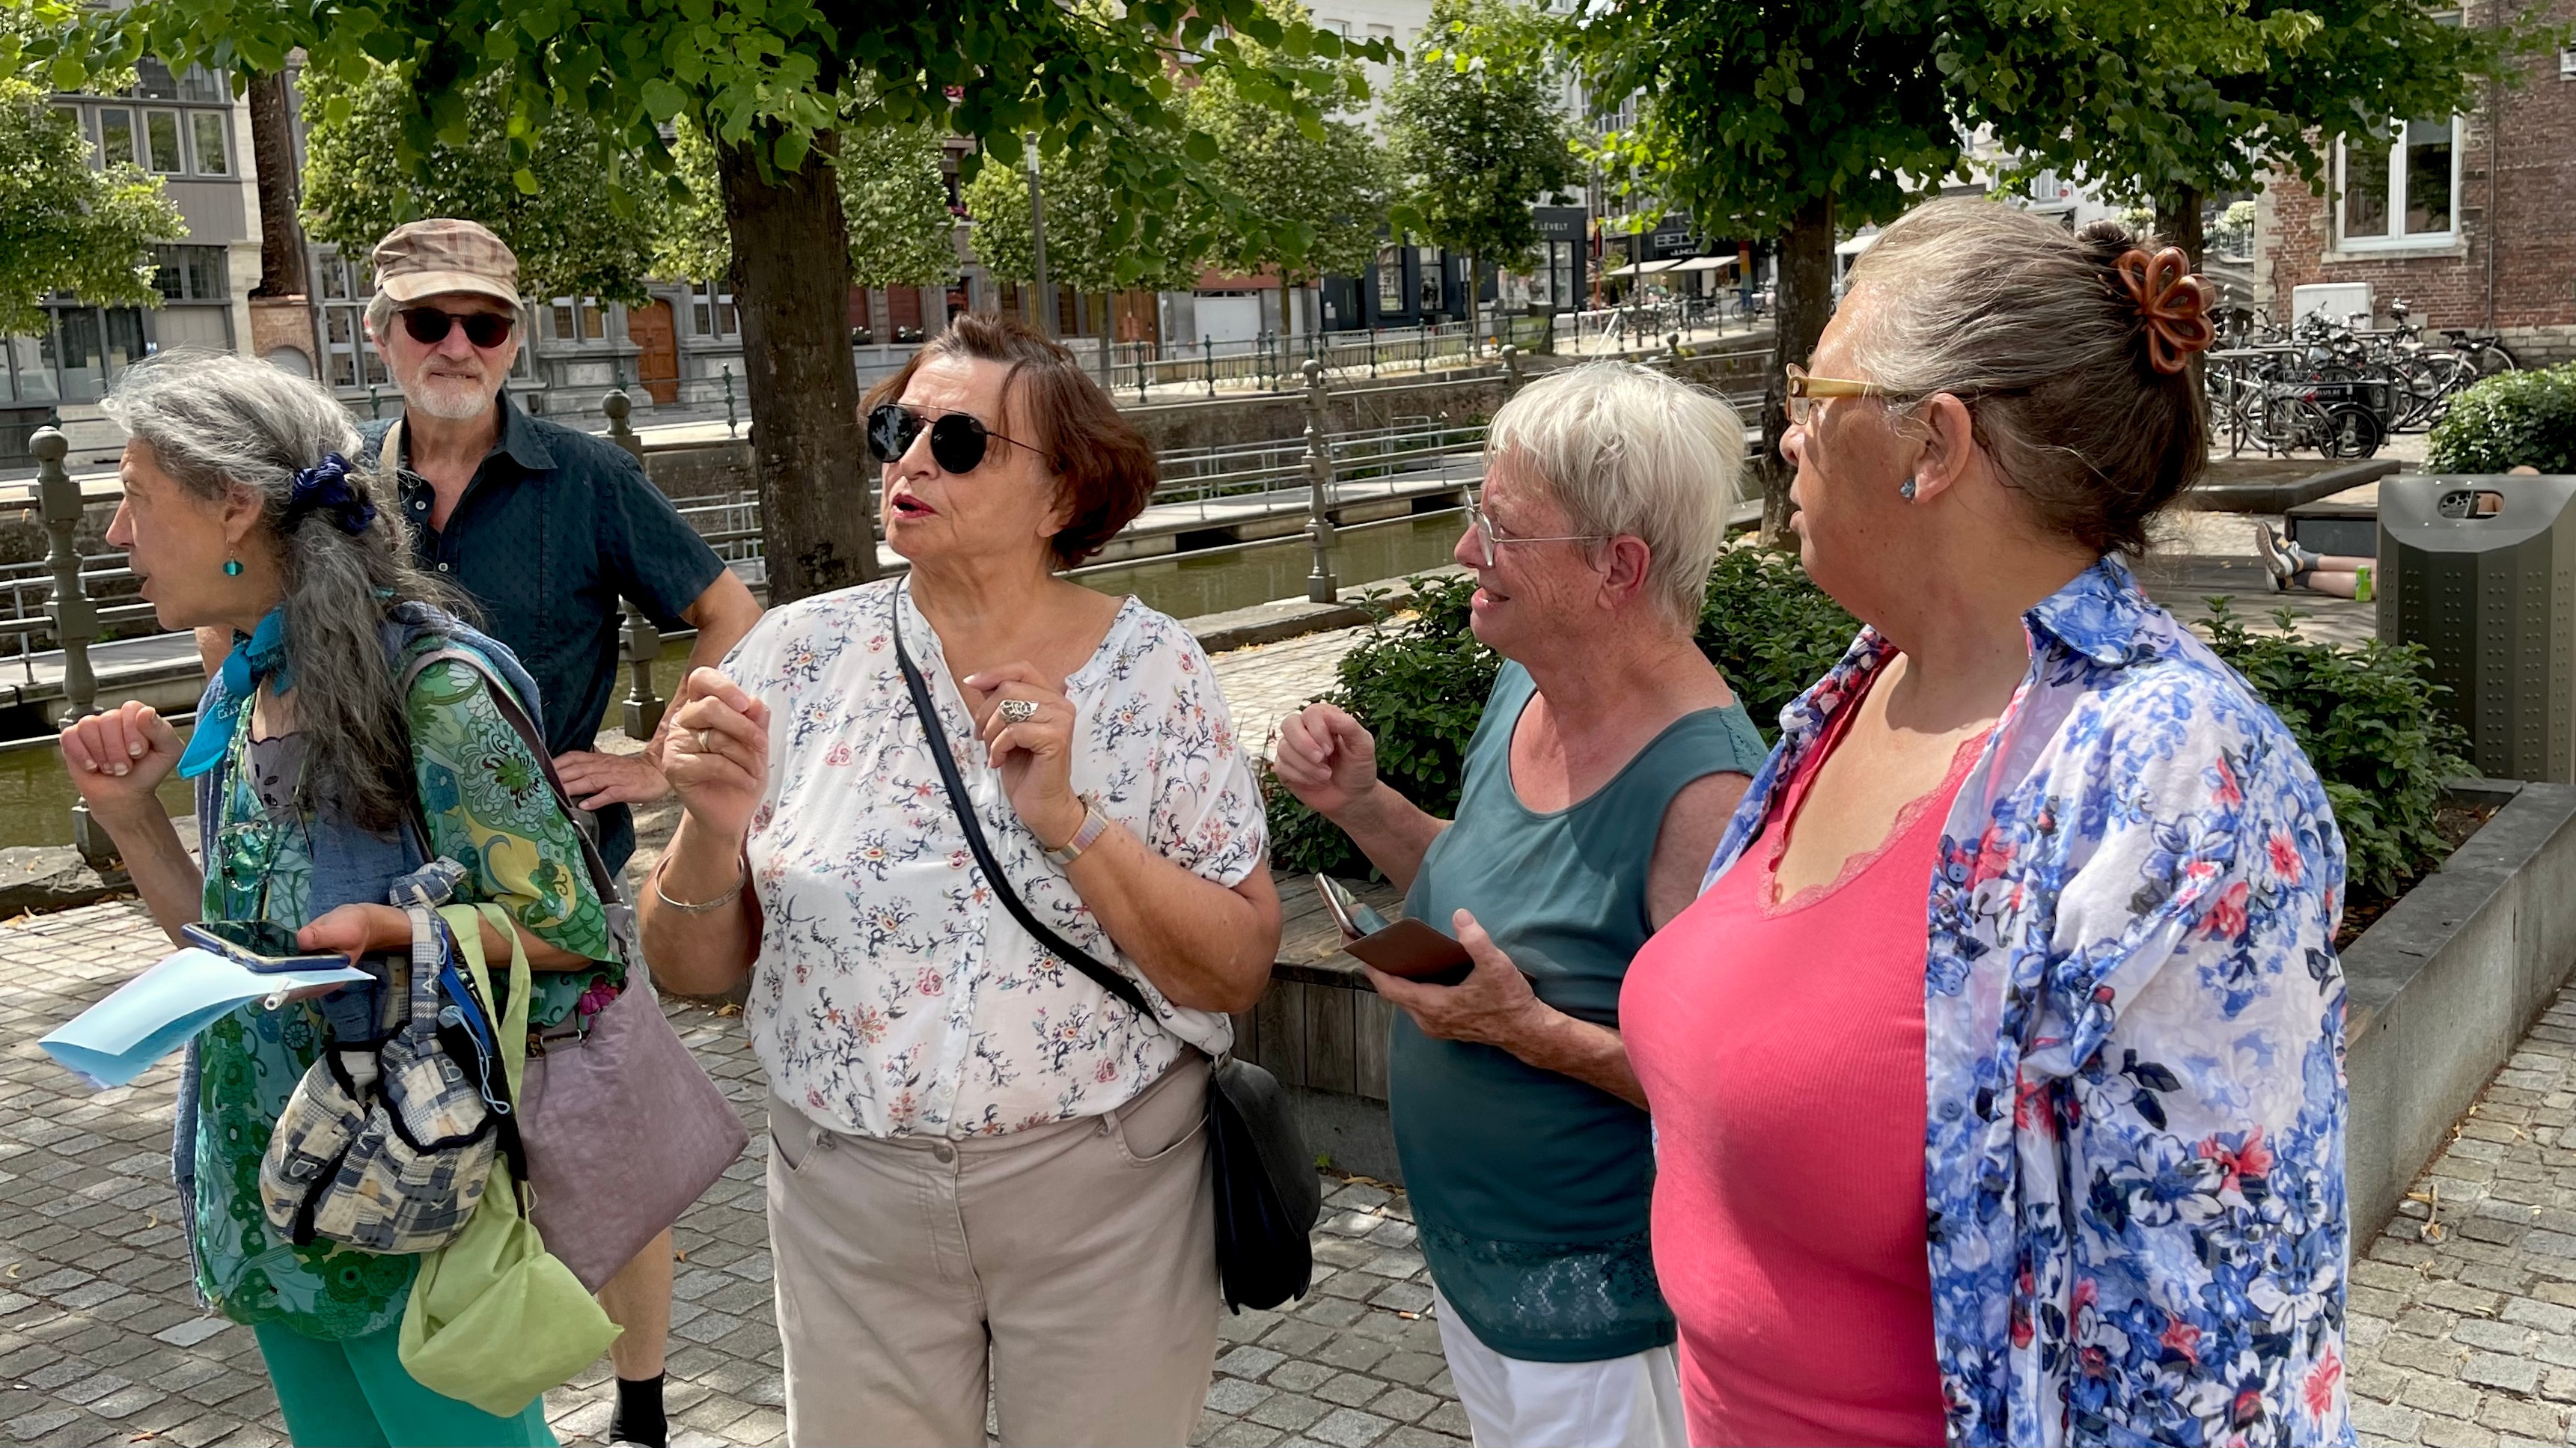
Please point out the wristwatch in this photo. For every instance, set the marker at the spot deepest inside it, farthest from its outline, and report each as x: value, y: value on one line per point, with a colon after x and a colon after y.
x: 1093, y: 824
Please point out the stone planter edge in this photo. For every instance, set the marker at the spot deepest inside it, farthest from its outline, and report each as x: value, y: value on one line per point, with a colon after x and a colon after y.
x: 2443, y: 986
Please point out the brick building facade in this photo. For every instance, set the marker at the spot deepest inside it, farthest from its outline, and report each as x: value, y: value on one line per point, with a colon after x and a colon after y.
x: 2472, y: 220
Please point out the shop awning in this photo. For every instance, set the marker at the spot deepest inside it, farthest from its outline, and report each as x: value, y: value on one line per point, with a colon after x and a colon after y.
x: 1642, y: 269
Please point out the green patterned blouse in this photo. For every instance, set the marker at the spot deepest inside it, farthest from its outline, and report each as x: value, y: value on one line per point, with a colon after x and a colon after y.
x: 488, y: 808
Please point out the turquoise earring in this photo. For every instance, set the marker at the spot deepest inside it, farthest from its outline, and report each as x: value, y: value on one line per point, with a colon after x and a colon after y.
x: 232, y: 568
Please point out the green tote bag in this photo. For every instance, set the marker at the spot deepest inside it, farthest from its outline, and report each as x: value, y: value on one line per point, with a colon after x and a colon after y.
x: 494, y: 1319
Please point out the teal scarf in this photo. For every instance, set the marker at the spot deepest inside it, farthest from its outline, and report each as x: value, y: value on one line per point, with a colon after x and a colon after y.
x: 259, y: 654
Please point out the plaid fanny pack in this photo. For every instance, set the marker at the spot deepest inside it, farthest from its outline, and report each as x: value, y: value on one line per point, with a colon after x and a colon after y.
x: 387, y: 1144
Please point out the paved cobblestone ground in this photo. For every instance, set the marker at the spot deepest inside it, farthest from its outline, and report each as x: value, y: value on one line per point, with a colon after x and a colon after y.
x: 2464, y: 1310
x: 1267, y: 684
x: 101, y: 1341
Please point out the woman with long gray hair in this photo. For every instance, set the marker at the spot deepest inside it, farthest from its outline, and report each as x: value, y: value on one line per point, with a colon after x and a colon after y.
x: 320, y: 780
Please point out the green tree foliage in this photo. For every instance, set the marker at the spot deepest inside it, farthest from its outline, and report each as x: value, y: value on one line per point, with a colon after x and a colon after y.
x: 576, y: 233
x: 892, y: 194
x: 1474, y: 132
x: 773, y: 85
x: 1793, y: 121
x: 1325, y: 176
x: 1086, y: 247
x: 64, y: 226
x: 2161, y: 104
x: 1085, y: 243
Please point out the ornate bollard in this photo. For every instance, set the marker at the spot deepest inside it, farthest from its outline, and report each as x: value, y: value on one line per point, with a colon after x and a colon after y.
x: 731, y: 425
x: 75, y: 618
x: 642, y: 643
x: 1321, y: 586
x: 1673, y: 352
x: 1512, y: 378
x: 1207, y: 354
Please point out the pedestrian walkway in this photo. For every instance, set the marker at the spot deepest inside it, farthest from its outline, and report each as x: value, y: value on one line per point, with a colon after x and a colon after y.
x: 2463, y: 1327
x: 101, y: 1341
x: 1266, y: 684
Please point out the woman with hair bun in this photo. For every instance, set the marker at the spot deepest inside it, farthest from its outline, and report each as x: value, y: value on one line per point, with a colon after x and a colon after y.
x: 1997, y: 1072
x: 321, y: 779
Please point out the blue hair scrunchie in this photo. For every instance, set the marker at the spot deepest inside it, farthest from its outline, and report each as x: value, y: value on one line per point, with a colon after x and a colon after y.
x: 324, y: 488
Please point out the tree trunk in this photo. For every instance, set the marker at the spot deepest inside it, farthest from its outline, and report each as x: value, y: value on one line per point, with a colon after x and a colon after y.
x: 1475, y: 302
x: 282, y: 272
x: 1806, y: 303
x: 791, y: 248
x: 2178, y: 222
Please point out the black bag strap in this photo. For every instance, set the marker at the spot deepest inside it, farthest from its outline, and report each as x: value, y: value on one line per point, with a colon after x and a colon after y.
x: 937, y: 733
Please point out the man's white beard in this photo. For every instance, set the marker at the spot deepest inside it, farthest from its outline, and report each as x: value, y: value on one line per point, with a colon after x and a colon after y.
x: 450, y: 398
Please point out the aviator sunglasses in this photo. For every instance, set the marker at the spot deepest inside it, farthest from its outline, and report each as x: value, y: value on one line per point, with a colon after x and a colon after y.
x: 957, y: 439
x: 429, y: 326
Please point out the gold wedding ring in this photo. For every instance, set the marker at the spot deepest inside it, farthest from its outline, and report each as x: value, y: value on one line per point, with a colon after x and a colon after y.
x: 702, y: 740
x: 1017, y: 711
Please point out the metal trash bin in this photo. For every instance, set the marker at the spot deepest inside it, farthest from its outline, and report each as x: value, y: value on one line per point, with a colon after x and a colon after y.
x: 2481, y: 570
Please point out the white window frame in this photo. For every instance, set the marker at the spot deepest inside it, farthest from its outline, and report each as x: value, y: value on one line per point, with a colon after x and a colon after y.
x: 2567, y: 63
x: 712, y: 300
x: 2393, y: 155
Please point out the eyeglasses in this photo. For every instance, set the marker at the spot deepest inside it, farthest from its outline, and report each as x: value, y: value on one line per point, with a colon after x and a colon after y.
x: 1483, y: 524
x: 429, y: 326
x: 957, y: 439
x: 1806, y: 391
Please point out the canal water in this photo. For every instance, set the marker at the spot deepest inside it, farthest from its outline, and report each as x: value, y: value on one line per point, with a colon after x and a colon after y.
x: 36, y: 797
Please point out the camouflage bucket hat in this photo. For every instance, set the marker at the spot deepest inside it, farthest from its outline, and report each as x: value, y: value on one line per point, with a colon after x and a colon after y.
x: 427, y: 258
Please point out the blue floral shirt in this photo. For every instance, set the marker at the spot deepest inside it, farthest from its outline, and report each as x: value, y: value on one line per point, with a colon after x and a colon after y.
x: 2133, y: 1158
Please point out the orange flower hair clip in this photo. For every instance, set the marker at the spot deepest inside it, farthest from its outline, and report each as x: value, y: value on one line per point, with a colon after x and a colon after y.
x: 2175, y: 303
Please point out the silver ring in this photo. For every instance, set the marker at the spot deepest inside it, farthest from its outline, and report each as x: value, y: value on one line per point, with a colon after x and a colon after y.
x: 1017, y: 711
x: 701, y: 739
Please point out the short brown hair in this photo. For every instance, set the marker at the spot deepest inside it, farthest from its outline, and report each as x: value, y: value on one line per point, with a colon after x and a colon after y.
x: 1103, y: 466
x: 2027, y: 323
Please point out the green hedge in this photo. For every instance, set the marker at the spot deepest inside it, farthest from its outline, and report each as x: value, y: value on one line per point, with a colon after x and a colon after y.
x: 2364, y: 715
x: 2367, y: 720
x: 2513, y: 419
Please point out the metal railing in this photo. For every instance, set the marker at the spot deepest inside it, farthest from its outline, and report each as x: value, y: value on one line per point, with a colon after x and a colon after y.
x: 1434, y: 449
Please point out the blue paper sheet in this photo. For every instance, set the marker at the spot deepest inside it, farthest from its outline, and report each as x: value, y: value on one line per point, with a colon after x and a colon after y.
x: 153, y: 1014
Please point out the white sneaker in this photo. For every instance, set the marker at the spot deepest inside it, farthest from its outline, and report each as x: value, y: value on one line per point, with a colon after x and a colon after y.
x: 2278, y: 566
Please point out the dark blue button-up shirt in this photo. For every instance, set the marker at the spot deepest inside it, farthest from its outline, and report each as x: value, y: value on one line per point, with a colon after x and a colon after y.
x: 555, y: 528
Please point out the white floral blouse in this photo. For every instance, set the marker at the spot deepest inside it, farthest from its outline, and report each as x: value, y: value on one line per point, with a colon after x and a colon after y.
x: 894, y: 996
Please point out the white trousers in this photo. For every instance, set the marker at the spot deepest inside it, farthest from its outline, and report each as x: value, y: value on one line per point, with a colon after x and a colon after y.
x: 1627, y: 1402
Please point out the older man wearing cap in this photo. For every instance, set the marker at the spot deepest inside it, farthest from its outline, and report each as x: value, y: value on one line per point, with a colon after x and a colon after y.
x: 547, y: 528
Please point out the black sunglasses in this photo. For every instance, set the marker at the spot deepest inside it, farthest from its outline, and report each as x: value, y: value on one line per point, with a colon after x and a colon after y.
x: 957, y: 439
x: 429, y: 326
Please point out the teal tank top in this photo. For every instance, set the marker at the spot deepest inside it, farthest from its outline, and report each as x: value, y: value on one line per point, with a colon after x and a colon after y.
x: 1532, y: 1189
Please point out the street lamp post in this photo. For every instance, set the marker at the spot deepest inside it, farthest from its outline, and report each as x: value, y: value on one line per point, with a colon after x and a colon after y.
x: 75, y: 617
x: 1321, y: 586
x: 1037, y: 245
x: 642, y: 711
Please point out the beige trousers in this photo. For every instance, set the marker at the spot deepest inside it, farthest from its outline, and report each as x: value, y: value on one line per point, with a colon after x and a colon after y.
x: 1072, y: 1268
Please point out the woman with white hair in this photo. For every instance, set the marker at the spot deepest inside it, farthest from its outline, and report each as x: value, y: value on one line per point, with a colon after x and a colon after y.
x: 1609, y: 759
x: 321, y: 779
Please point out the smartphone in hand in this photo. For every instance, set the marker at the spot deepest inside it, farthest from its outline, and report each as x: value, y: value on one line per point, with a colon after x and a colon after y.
x: 1406, y: 948
x: 262, y: 945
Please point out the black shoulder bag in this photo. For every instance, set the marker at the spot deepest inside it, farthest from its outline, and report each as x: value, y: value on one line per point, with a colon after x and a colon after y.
x: 1267, y: 1194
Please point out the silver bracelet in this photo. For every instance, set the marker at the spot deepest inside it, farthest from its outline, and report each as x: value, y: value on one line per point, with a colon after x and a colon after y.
x: 683, y: 906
